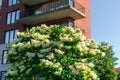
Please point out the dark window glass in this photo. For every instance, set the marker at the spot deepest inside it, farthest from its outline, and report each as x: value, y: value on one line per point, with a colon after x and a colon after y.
x: 15, y: 35
x: 70, y: 23
x: 11, y: 36
x: 4, y: 60
x: 66, y: 23
x: 17, y: 14
x: 12, y: 2
x: 8, y: 18
x: 0, y: 4
x: 7, y: 37
x: 13, y: 16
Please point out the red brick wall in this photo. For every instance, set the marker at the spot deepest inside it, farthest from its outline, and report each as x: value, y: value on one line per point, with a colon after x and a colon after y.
x: 81, y: 23
x: 85, y: 22
x: 3, y: 12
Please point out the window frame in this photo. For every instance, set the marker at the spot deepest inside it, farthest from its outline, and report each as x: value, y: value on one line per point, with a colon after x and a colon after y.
x: 8, y: 40
x: 13, y: 16
x: 17, y: 16
x: 3, y: 57
x: 11, y: 2
x: 65, y: 23
x: 11, y: 37
x: 8, y: 18
x: 1, y: 4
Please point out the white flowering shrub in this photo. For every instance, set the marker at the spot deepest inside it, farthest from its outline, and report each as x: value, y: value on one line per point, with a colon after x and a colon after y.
x: 53, y: 52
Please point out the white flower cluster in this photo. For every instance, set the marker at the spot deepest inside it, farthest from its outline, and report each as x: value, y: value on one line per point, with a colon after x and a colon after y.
x: 89, y: 47
x: 82, y: 66
x: 50, y: 56
x: 66, y: 39
x: 93, y: 44
x: 85, y: 68
x: 94, y: 75
x: 74, y: 71
x: 39, y: 36
x: 58, y: 73
x: 104, y: 47
x: 47, y: 62
x: 59, y: 51
x: 21, y: 34
x: 69, y: 29
x: 82, y: 47
x: 39, y: 44
x: 79, y: 36
x: 53, y: 65
x: 43, y: 29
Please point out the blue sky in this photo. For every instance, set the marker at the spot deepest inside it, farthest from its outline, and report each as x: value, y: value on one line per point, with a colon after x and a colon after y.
x: 105, y: 23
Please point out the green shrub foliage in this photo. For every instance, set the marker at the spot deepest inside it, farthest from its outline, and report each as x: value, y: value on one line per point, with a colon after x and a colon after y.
x: 106, y: 66
x: 58, y: 53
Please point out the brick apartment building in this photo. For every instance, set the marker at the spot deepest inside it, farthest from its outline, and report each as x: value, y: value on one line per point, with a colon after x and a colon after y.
x: 17, y: 15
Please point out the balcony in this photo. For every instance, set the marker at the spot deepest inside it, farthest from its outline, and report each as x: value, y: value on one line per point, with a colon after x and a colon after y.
x: 52, y: 11
x: 32, y: 2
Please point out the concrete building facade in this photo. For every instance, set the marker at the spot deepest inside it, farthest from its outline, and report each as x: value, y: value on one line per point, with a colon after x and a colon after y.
x: 17, y: 15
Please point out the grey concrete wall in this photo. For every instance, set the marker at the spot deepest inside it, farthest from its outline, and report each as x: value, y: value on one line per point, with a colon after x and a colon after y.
x: 3, y: 67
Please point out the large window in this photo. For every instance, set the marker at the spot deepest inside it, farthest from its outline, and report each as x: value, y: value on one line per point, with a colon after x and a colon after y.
x: 12, y: 2
x: 4, y: 60
x: 66, y: 23
x: 11, y: 35
x: 0, y: 4
x: 13, y: 16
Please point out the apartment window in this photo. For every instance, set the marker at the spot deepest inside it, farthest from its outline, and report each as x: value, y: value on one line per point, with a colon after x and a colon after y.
x: 70, y: 23
x: 0, y: 4
x: 12, y: 2
x: 66, y: 23
x: 3, y: 77
x: 4, y: 60
x: 11, y: 35
x: 13, y: 16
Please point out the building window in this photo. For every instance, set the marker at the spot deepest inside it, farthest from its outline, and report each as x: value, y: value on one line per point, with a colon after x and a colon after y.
x: 70, y: 23
x: 13, y: 16
x: 66, y: 23
x: 0, y: 4
x: 12, y: 2
x: 11, y: 35
x: 4, y: 60
x: 3, y: 77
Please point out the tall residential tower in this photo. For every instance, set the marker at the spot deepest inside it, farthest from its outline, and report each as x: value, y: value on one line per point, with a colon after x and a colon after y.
x: 17, y: 15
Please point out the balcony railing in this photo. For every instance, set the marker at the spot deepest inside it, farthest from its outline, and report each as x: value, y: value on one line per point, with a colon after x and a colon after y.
x: 53, y: 6
x: 57, y: 9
